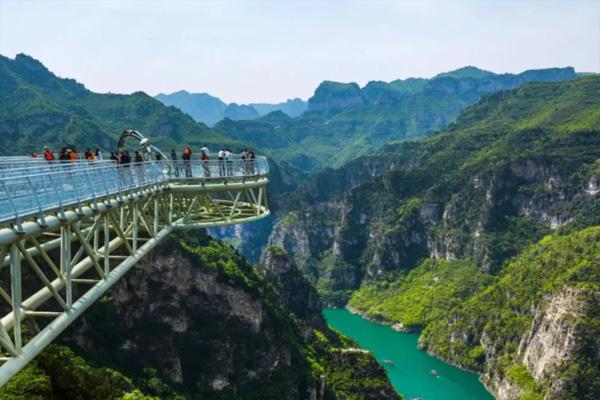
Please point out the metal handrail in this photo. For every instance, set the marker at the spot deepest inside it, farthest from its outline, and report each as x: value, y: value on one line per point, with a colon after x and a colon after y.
x: 36, y: 190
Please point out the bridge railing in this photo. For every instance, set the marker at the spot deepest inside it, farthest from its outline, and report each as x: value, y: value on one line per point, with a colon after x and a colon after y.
x: 42, y: 187
x: 215, y: 169
x: 24, y: 196
x: 10, y: 169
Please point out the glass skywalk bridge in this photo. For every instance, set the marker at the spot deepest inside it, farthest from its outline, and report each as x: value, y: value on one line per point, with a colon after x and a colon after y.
x: 70, y: 230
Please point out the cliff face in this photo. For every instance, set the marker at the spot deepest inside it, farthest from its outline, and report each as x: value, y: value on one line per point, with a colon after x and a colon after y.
x: 335, y: 96
x: 535, y: 332
x: 427, y: 242
x: 202, y: 317
x: 500, y: 178
x: 555, y: 336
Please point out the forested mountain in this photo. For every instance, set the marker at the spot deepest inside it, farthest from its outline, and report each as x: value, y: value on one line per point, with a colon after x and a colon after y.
x: 38, y: 108
x: 210, y: 110
x: 345, y: 121
x: 420, y: 236
x: 195, y: 321
x: 483, y: 236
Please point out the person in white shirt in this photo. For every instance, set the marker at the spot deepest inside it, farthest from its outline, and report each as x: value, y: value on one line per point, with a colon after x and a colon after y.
x: 228, y: 162
x: 221, y: 158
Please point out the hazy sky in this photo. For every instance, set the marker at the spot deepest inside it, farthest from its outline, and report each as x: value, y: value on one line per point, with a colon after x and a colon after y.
x: 251, y: 51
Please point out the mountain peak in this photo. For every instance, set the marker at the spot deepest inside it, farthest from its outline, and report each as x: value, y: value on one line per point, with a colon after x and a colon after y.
x: 335, y: 96
x: 468, y: 71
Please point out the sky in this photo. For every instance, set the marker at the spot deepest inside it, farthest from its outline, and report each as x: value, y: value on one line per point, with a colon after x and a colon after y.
x: 268, y: 51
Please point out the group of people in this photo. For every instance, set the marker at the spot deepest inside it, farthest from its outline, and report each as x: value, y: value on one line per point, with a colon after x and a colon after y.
x: 124, y: 158
x: 224, y: 157
x: 69, y: 154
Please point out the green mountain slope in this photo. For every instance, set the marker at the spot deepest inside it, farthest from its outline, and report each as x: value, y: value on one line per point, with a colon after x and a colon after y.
x: 419, y: 236
x: 538, y: 328
x: 37, y: 108
x: 195, y: 321
x: 512, y: 167
x: 345, y: 121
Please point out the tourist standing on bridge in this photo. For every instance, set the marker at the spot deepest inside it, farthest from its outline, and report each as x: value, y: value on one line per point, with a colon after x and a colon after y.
x: 89, y: 155
x: 204, y: 159
x: 114, y: 157
x: 99, y: 155
x: 221, y: 158
x: 48, y: 155
x: 175, y: 166
x: 138, y: 160
x: 72, y: 154
x: 250, y: 160
x: 243, y: 155
x: 229, y: 162
x: 125, y: 158
x: 186, y: 156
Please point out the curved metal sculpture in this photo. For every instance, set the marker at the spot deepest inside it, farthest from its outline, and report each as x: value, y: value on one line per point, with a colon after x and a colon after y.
x: 78, y: 227
x: 144, y: 142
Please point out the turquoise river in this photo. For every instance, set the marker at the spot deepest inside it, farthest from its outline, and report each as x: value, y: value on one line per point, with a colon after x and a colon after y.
x: 410, y: 368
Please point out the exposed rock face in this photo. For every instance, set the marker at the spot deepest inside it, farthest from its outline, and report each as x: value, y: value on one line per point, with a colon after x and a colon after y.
x: 195, y: 327
x: 206, y: 321
x: 554, y: 342
x: 299, y: 296
x: 366, y: 238
x: 335, y: 96
x: 553, y: 336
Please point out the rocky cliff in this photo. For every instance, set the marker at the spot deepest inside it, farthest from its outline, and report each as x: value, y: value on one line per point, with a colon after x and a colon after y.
x: 425, y: 242
x: 535, y: 332
x: 498, y: 179
x: 195, y: 319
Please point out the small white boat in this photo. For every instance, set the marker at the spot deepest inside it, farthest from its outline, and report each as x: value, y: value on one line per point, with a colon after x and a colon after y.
x: 434, y: 372
x: 388, y: 362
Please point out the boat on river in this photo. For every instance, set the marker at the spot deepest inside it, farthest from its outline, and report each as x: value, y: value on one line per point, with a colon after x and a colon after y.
x: 434, y: 372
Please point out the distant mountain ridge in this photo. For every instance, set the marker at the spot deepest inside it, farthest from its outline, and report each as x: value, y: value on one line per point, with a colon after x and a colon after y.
x: 209, y: 110
x: 345, y: 121
x: 38, y: 108
x: 472, y: 80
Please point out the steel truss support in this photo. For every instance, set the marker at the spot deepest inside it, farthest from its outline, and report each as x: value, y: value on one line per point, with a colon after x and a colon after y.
x: 76, y: 255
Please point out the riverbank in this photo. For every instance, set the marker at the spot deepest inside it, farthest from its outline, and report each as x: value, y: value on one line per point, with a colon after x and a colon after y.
x: 408, y: 368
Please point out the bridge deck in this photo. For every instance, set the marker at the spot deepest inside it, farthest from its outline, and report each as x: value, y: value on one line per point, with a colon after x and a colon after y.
x: 72, y: 229
x: 33, y: 188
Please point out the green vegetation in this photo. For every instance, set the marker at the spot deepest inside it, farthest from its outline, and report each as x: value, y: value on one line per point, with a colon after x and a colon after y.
x: 426, y: 294
x: 57, y: 373
x: 345, y: 121
x: 38, y: 108
x: 497, y: 317
x: 486, y: 193
x: 483, y: 189
x: 287, y: 353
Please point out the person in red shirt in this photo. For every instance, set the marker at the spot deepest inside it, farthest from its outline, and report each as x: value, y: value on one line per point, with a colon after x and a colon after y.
x: 48, y: 155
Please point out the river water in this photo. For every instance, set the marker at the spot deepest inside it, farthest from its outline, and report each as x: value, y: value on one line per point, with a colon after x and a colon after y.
x: 410, y: 372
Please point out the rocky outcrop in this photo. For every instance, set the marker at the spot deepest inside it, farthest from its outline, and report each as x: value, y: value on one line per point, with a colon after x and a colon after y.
x: 554, y: 342
x: 297, y: 293
x: 330, y: 96
x: 553, y: 335
x: 210, y: 324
